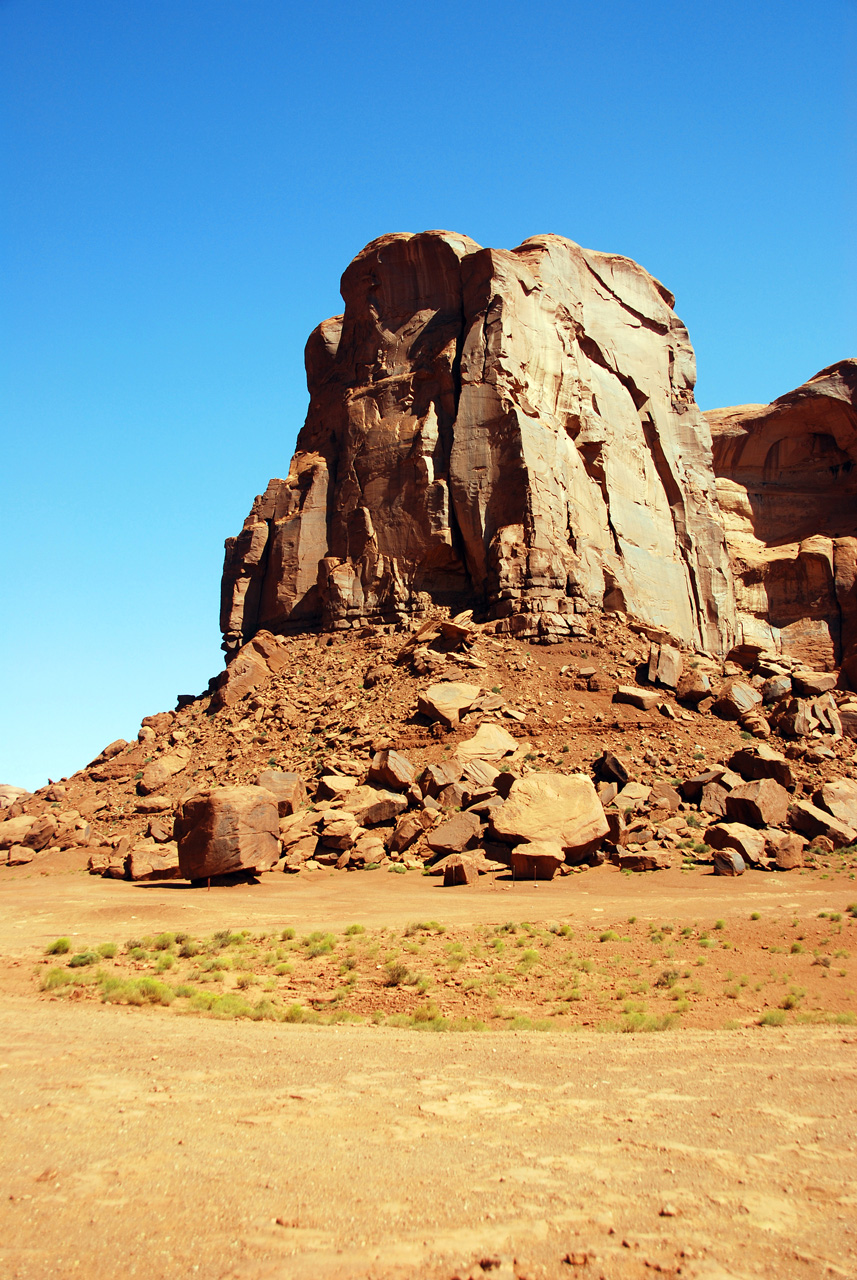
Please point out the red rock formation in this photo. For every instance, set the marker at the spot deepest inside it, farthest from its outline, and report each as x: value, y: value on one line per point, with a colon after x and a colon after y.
x: 787, y: 486
x: 513, y: 432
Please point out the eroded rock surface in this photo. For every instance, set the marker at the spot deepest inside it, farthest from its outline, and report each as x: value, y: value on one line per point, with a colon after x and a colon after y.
x: 513, y: 431
x: 787, y: 487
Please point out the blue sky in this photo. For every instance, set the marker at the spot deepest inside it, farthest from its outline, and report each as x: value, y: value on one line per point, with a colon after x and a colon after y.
x: 186, y: 180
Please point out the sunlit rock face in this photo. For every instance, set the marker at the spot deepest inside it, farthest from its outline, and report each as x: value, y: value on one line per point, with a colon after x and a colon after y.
x: 787, y: 486
x: 509, y: 431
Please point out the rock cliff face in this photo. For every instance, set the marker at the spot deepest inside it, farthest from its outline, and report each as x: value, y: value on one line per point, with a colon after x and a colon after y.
x: 787, y: 486
x: 513, y: 432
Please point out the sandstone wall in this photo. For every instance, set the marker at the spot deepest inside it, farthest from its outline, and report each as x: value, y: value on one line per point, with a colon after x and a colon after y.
x: 787, y: 486
x: 513, y: 432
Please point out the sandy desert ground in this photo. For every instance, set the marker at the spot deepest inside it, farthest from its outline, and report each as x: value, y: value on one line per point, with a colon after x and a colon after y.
x: 145, y: 1142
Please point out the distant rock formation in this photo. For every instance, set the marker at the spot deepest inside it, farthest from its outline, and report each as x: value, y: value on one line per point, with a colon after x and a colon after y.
x: 787, y: 486
x: 513, y: 432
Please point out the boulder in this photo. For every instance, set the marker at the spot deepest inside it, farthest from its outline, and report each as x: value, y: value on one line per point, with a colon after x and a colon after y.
x: 372, y: 805
x: 754, y: 763
x: 14, y: 830
x: 693, y: 687
x: 563, y: 808
x: 408, y: 830
x: 813, y: 822
x: 713, y: 799
x: 42, y: 833
x: 153, y: 804
x: 446, y: 702
x: 479, y: 774
x: 665, y: 665
x: 840, y: 799
x: 160, y: 770
x: 736, y: 699
x: 692, y: 788
x: 654, y: 858
x: 333, y: 786
x: 735, y: 835
x: 810, y: 684
x: 785, y: 848
x: 613, y: 768
x: 223, y: 830
x: 633, y: 796
x: 728, y: 862
x: 149, y: 860
x: 9, y: 795
x: 250, y: 667
x: 775, y: 688
x: 644, y: 699
x: 104, y: 861
x: 665, y: 796
x: 758, y: 804
x: 491, y: 742
x: 552, y: 449
x: 435, y: 777
x: 537, y: 860
x: 287, y: 789
x: 392, y: 769
x: 460, y: 869
x: 455, y: 835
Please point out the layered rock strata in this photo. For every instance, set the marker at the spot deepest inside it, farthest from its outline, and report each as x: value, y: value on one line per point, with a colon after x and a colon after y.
x: 513, y: 432
x: 787, y: 487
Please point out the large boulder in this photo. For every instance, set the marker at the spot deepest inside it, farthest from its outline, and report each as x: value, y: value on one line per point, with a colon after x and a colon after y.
x: 563, y: 808
x: 15, y: 830
x: 288, y: 788
x: 736, y: 835
x: 524, y: 421
x: 160, y: 770
x: 814, y: 822
x: 491, y: 742
x: 537, y: 860
x: 223, y: 830
x: 447, y: 701
x: 758, y: 804
x: 149, y: 860
x: 392, y: 769
x: 839, y: 798
x: 456, y: 835
x: 373, y: 805
x: 762, y: 761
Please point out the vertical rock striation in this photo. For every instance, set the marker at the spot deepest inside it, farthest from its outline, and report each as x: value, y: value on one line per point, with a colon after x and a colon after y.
x: 787, y: 486
x: 510, y: 431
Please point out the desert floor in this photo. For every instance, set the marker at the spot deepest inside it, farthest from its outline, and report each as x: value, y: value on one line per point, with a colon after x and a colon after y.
x: 156, y: 1142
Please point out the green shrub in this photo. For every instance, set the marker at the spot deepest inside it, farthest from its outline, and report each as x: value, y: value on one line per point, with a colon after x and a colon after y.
x: 61, y: 947
x: 83, y: 958
x: 55, y: 978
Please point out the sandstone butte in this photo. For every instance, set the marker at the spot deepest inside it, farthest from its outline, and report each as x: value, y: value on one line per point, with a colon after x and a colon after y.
x: 787, y: 489
x: 513, y: 432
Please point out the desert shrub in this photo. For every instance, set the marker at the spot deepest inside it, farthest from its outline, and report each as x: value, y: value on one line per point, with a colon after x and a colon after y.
x: 61, y: 947
x: 55, y: 978
x: 318, y: 943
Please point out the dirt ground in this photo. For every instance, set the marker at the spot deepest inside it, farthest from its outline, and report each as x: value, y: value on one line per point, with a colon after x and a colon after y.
x: 144, y: 1142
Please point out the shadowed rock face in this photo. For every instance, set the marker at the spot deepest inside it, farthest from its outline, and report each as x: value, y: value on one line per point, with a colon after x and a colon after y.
x: 513, y: 432
x: 787, y: 486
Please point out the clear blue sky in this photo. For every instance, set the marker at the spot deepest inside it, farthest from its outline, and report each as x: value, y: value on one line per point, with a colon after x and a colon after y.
x: 185, y: 181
